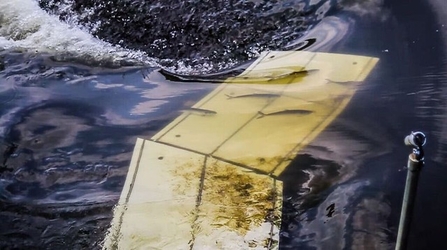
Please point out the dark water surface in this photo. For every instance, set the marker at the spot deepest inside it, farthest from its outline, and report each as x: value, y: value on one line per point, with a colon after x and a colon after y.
x: 70, y: 112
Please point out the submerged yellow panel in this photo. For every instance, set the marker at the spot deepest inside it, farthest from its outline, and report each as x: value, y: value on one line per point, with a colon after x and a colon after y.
x: 208, y: 180
x: 158, y: 204
x: 300, y: 113
x: 343, y: 68
x: 238, y: 209
x: 177, y: 199
x: 279, y: 128
x: 210, y: 123
x: 277, y: 63
x: 259, y: 125
x: 215, y: 118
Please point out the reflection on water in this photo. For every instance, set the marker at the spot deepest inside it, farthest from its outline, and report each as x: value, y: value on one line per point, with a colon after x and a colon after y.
x: 67, y: 132
x: 331, y: 202
x: 73, y: 130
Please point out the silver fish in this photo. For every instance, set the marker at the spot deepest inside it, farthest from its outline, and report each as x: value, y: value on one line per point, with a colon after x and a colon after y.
x: 295, y: 73
x: 255, y: 95
x: 286, y: 112
x: 346, y: 83
x: 199, y: 111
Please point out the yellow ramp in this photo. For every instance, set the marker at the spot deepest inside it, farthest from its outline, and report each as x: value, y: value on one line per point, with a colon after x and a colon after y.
x: 208, y: 180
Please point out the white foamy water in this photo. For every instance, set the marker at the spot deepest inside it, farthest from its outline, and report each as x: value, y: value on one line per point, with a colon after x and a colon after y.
x: 25, y: 26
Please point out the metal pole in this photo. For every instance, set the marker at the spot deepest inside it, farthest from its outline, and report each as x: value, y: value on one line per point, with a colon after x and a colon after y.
x: 415, y: 163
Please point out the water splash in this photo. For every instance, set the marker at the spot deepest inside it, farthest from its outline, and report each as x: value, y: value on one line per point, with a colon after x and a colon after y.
x: 192, y: 36
x: 24, y: 26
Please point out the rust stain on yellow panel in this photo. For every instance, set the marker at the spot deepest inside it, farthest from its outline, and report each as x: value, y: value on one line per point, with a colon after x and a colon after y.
x: 177, y: 199
x: 238, y: 198
x: 238, y: 202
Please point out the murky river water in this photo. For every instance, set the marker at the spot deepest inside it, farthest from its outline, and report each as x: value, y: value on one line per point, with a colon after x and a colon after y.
x: 79, y: 85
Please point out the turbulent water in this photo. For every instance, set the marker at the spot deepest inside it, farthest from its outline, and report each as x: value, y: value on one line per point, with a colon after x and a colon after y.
x: 79, y: 82
x: 189, y: 36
